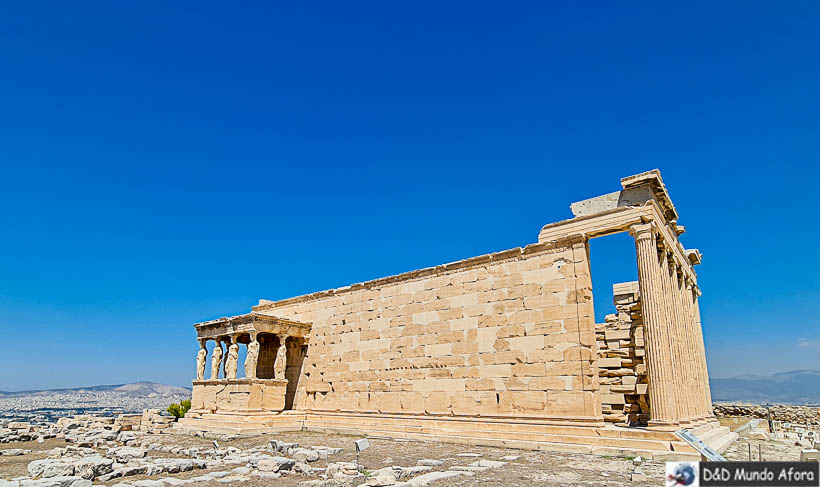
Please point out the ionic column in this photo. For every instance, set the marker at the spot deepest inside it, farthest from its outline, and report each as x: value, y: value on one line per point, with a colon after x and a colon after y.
x: 281, y: 363
x: 673, y: 322
x: 201, y: 359
x: 216, y: 359
x: 252, y: 358
x: 662, y: 408
x: 702, y: 352
x: 688, y: 355
x: 232, y: 359
x: 701, y: 381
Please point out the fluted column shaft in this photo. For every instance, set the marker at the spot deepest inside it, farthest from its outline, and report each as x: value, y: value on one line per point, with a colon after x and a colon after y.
x: 689, y: 355
x: 702, y: 349
x: 676, y: 345
x: 700, y: 378
x: 659, y: 352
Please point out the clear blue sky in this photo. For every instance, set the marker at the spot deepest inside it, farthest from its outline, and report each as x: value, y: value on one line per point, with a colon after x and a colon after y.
x: 164, y: 163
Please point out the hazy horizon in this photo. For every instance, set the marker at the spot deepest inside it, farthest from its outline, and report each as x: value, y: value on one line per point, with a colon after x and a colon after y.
x: 188, y: 386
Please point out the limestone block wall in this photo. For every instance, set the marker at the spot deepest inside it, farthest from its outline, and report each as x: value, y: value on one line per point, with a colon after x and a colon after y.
x: 509, y: 334
x: 621, y: 359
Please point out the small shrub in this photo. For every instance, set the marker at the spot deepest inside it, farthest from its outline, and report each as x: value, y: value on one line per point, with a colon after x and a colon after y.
x: 179, y: 410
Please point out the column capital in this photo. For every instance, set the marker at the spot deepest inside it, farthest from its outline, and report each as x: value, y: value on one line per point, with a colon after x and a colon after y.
x: 643, y: 230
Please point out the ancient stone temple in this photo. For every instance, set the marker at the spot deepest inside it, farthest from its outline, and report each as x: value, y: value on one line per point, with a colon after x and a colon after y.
x: 499, y: 349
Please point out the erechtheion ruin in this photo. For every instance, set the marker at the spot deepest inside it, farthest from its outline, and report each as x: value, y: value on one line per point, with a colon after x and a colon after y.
x: 499, y: 349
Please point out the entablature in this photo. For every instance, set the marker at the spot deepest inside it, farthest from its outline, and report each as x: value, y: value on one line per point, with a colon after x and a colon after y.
x: 252, y: 322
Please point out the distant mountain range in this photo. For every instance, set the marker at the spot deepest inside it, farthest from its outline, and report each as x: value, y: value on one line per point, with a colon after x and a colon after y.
x: 795, y: 387
x: 137, y: 389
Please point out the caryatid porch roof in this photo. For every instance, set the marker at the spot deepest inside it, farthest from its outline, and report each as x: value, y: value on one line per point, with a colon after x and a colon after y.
x: 251, y: 322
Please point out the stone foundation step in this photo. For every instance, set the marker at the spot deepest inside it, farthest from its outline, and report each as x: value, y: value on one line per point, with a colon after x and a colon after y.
x: 222, y: 424
x: 722, y: 443
x: 710, y: 436
x: 717, y: 437
x: 567, y: 435
x: 595, y: 440
x: 703, y: 429
x: 523, y: 440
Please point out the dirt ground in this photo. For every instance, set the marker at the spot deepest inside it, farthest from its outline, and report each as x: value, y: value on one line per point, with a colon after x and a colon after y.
x: 16, y: 466
x: 785, y: 448
x: 531, y: 468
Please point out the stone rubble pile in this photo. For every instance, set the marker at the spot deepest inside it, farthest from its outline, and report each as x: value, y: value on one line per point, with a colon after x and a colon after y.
x: 622, y: 370
x: 84, y: 430
x: 805, y: 415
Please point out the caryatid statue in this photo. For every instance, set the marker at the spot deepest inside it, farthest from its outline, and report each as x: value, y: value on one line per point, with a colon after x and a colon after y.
x: 281, y: 362
x: 201, y: 359
x: 252, y: 358
x: 232, y: 360
x: 216, y: 360
x: 225, y: 360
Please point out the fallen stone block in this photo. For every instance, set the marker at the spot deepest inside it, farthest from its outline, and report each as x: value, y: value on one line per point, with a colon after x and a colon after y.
x: 50, y: 468
x: 282, y: 446
x: 380, y: 480
x: 430, y: 477
x: 405, y: 472
x: 202, y: 478
x: 109, y: 476
x: 125, y: 453
x: 175, y: 465
x: 152, y: 469
x: 305, y: 455
x: 266, y: 475
x: 231, y: 479
x: 275, y: 464
x: 488, y: 464
x: 173, y: 482
x: 92, y: 467
x: 61, y: 481
x: 148, y: 483
x: 469, y: 468
x: 129, y: 470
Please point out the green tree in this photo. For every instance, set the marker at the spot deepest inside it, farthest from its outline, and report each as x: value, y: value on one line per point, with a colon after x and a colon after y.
x: 179, y: 410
